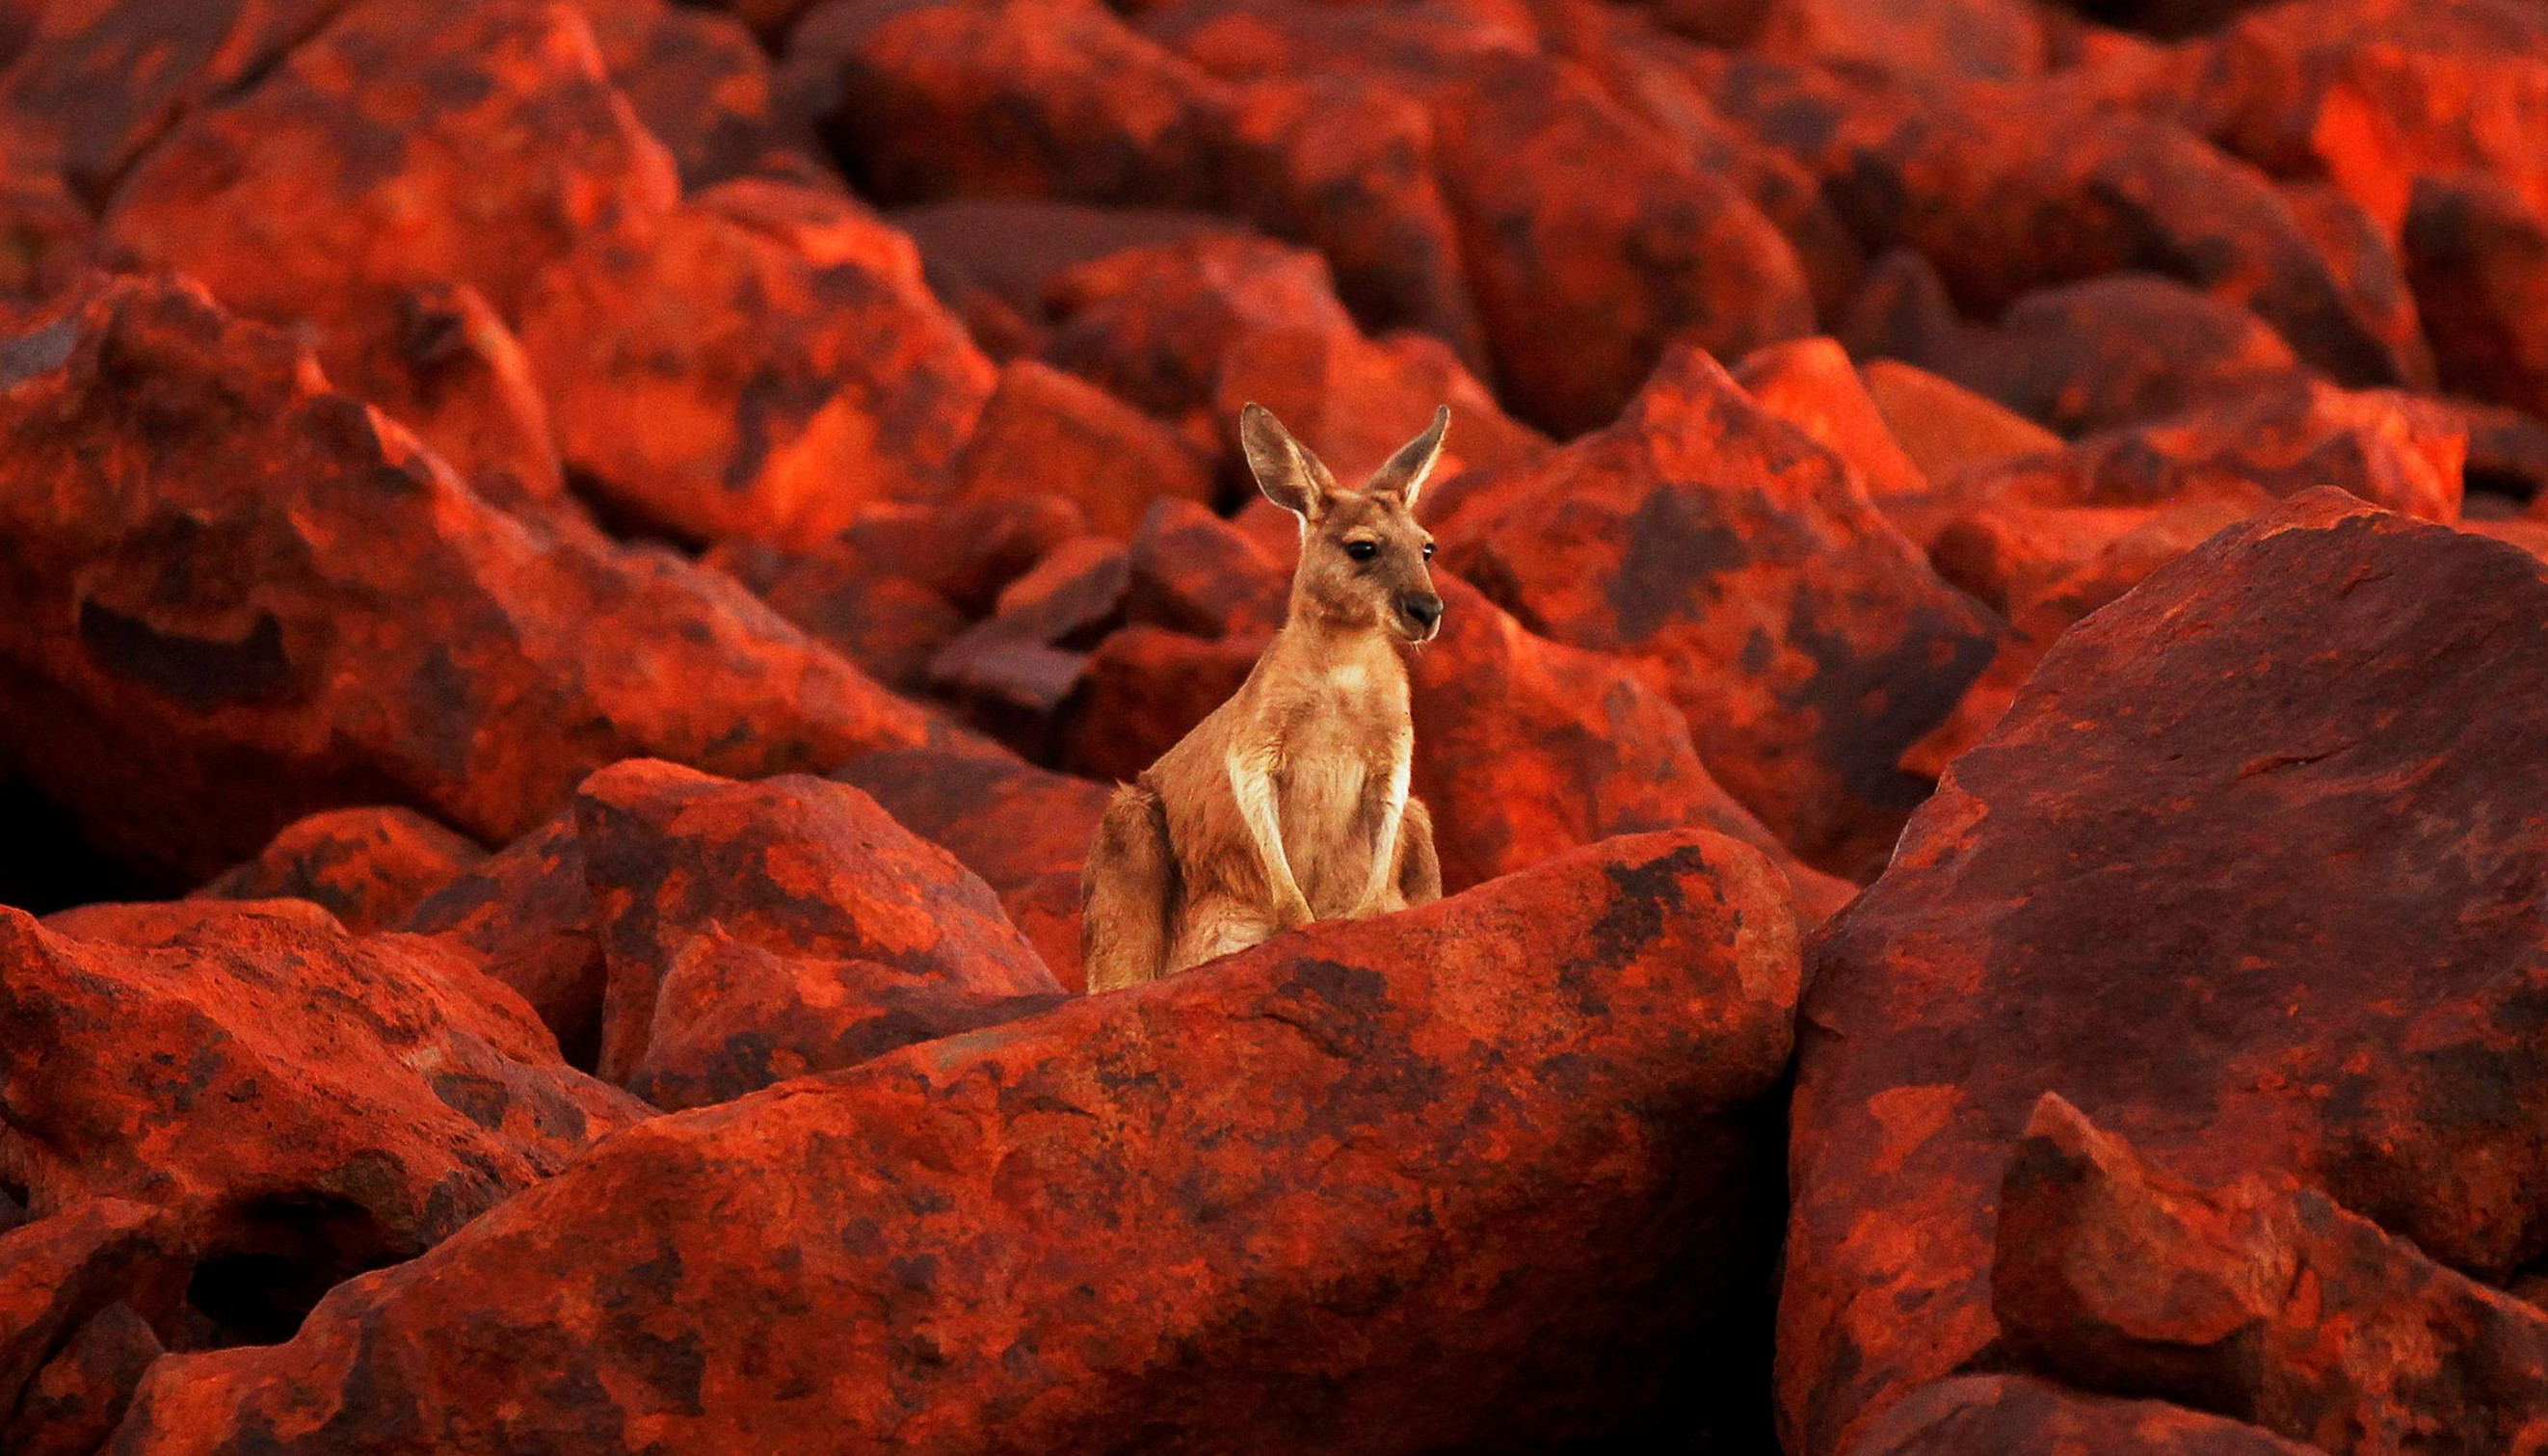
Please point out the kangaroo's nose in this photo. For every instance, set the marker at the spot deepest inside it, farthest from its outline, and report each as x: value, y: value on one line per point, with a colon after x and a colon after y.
x: 1424, y: 609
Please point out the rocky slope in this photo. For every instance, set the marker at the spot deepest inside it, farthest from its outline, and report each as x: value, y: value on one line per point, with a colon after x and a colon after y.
x: 575, y: 574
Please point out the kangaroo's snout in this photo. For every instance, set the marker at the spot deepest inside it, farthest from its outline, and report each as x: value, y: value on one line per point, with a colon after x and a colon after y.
x: 1423, y: 610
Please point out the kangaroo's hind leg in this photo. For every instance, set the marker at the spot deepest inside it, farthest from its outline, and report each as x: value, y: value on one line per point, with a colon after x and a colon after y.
x: 1420, y: 872
x: 1128, y: 892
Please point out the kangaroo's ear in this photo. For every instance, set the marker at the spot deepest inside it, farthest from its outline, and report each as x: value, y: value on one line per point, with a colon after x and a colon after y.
x: 1289, y: 475
x: 1404, y: 475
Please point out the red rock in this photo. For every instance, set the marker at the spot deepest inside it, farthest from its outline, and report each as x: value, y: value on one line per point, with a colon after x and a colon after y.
x: 763, y: 364
x: 406, y: 145
x: 1058, y: 98
x: 1416, y: 46
x: 1024, y: 829
x: 1139, y: 690
x: 1945, y: 427
x: 2006, y: 1414
x: 1152, y: 325
x: 2106, y: 554
x: 447, y: 368
x: 2015, y: 189
x: 368, y: 867
x: 372, y: 631
x: 2529, y: 535
x: 2122, y: 349
x: 968, y: 553
x: 2374, y: 95
x: 2477, y: 257
x: 1573, y: 210
x: 2003, y: 552
x: 1935, y: 41
x: 1361, y: 398
x: 95, y: 85
x: 2264, y: 1302
x: 321, y: 1104
x: 698, y: 938
x: 2110, y: 898
x: 1016, y: 247
x: 1343, y: 163
x: 1656, y: 75
x: 74, y: 1403
x: 524, y: 916
x: 1013, y: 671
x: 1388, y: 1177
x: 1804, y: 639
x: 1195, y: 572
x: 890, y: 626
x: 2370, y: 268
x: 49, y: 231
x: 700, y: 83
x: 1526, y: 749
x: 1809, y: 384
x: 1046, y: 431
x: 754, y: 932
x: 2390, y: 448
x: 57, y: 1274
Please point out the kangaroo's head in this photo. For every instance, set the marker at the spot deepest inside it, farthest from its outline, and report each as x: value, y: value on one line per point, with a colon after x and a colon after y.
x: 1362, y: 554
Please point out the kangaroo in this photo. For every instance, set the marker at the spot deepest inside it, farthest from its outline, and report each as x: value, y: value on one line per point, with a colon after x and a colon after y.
x: 1289, y: 803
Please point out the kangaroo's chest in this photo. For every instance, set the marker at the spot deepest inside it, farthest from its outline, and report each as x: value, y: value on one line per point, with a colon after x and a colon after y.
x: 1343, y: 757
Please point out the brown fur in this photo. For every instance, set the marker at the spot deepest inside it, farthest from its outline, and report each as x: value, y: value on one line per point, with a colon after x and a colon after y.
x: 1289, y: 803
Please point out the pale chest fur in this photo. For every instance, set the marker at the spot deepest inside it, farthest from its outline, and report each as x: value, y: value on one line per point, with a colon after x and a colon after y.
x: 1344, y: 747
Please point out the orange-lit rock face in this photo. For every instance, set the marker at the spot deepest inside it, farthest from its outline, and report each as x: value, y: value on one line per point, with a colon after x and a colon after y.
x: 355, y: 171
x: 2385, y: 446
x: 1805, y: 640
x: 2183, y: 883
x: 288, y: 1093
x: 694, y: 939
x: 237, y: 597
x: 2269, y: 1304
x: 368, y: 867
x: 1428, y: 1179
x: 763, y: 363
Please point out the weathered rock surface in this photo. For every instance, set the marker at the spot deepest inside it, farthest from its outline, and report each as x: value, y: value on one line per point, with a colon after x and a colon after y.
x: 1024, y: 829
x: 2386, y: 446
x: 368, y: 867
x: 763, y: 362
x: 1390, y: 1178
x: 2109, y: 898
x: 301, y: 1104
x: 406, y: 145
x: 1045, y: 432
x: 1804, y: 639
x: 701, y: 939
x: 2010, y: 1415
x: 235, y: 597
x: 2266, y: 1303
x: 95, y: 85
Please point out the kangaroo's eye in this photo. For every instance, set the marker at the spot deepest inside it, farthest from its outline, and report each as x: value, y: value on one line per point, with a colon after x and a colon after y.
x: 1362, y: 550
x: 1428, y: 551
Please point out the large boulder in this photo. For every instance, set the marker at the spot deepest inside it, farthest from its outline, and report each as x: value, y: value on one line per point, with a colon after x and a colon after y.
x: 303, y: 1105
x: 1807, y: 642
x: 406, y: 143
x: 367, y: 866
x: 2012, y: 1414
x: 95, y: 85
x: 1024, y: 829
x: 1490, y: 1172
x: 2246, y: 835
x: 235, y: 597
x: 763, y: 362
x: 2266, y: 1303
x: 702, y: 939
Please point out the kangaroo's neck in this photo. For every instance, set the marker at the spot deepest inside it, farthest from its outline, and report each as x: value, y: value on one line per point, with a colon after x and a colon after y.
x: 1311, y: 647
